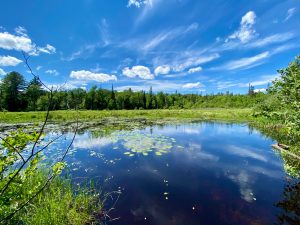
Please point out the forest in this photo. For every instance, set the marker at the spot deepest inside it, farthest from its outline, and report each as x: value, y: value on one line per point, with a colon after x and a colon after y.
x: 16, y: 94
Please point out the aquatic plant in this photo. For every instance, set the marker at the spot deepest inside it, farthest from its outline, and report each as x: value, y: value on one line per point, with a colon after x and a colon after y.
x: 139, y: 143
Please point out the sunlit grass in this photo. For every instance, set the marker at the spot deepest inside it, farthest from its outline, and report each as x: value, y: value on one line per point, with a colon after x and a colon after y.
x: 61, y: 203
x: 89, y: 115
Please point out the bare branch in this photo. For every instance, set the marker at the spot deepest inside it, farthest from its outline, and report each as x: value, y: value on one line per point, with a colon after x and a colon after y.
x: 31, y: 71
x: 47, y: 145
x: 67, y: 150
x: 45, y: 184
x: 33, y: 154
x: 15, y: 149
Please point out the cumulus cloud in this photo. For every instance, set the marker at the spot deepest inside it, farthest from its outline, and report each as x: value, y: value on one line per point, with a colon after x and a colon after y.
x: 21, y: 42
x: 139, y: 3
x: 165, y: 69
x: 195, y: 69
x: 52, y: 72
x: 9, y: 61
x: 246, y: 32
x: 193, y: 85
x: 90, y: 76
x: 290, y: 13
x: 142, y: 72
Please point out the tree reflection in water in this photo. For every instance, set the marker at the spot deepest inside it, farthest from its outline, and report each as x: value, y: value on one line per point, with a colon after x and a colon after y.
x: 290, y: 205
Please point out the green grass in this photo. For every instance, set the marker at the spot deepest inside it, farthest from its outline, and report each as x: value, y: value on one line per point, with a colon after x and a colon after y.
x: 61, y: 203
x: 90, y: 115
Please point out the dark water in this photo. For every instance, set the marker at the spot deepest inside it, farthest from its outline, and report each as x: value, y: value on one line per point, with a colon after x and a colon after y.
x: 204, y: 173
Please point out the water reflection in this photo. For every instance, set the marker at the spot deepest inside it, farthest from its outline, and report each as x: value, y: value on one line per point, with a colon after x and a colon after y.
x: 204, y: 173
x: 290, y: 205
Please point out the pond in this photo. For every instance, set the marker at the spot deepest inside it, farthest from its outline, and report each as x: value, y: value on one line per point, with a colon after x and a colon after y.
x: 190, y: 173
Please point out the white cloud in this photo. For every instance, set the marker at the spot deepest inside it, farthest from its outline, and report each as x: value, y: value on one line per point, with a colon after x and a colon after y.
x: 2, y: 72
x: 244, y: 180
x: 246, y: 32
x: 245, y: 63
x: 138, y: 71
x: 103, y: 27
x: 52, y: 72
x: 276, y: 38
x: 9, y: 61
x: 157, y: 85
x: 195, y: 69
x: 262, y: 80
x: 165, y: 69
x: 21, y: 31
x: 90, y: 76
x: 92, y: 143
x: 184, y: 63
x: 246, y: 152
x: 284, y: 47
x: 193, y: 85
x: 139, y: 3
x: 157, y: 40
x: 225, y: 84
x: 290, y: 13
x: 150, y: 42
x: 84, y: 52
x: 259, y: 90
x: 49, y: 49
x: 12, y: 42
x: 60, y: 87
x: 257, y: 43
x: 39, y: 67
x: 21, y: 42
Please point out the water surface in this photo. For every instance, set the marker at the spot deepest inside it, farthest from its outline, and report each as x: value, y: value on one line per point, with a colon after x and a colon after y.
x: 203, y: 173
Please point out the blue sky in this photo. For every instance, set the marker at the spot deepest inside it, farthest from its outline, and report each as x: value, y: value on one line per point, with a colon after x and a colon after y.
x: 186, y: 45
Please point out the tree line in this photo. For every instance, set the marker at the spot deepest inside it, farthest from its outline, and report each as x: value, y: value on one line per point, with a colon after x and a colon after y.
x: 18, y: 95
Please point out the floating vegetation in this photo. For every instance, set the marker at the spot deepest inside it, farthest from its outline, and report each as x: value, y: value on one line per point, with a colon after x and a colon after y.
x: 138, y: 143
x: 104, y: 159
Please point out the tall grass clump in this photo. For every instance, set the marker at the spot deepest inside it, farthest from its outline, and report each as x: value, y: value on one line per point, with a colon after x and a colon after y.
x: 61, y: 203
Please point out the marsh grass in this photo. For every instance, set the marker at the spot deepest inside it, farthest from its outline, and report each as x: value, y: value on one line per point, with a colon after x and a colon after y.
x: 90, y: 115
x: 62, y: 203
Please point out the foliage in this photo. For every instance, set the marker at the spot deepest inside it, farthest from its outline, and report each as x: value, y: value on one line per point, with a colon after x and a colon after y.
x: 283, y: 101
x: 34, y: 98
x: 11, y: 89
x: 62, y: 203
x: 288, y: 89
x: 16, y: 170
x: 23, y: 181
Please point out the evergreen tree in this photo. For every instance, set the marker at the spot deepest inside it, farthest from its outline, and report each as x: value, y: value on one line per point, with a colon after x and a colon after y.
x: 34, y: 91
x: 12, y: 89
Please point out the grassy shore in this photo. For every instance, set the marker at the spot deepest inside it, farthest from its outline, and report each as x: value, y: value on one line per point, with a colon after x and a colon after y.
x: 90, y: 115
x: 60, y: 203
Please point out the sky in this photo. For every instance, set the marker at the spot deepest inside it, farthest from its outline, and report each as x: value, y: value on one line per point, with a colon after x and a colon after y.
x: 188, y: 46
